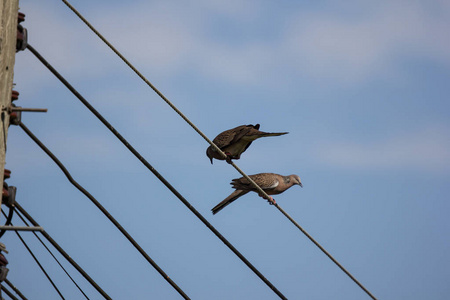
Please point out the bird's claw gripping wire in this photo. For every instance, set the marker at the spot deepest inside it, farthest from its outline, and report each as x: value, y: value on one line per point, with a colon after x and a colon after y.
x: 228, y: 159
x: 272, y: 201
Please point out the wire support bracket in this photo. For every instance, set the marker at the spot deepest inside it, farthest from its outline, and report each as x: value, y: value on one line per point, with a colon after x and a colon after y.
x: 11, y: 109
x: 22, y: 228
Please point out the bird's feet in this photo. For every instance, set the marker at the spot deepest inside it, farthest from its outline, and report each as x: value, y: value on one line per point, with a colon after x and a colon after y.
x: 228, y: 159
x: 272, y: 201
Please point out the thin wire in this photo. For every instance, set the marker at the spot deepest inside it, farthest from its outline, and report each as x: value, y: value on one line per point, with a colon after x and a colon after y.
x: 8, y: 220
x: 8, y: 292
x: 324, y: 251
x: 259, y: 189
x: 164, y: 97
x: 49, y: 251
x: 156, y: 173
x: 37, y: 261
x: 16, y: 290
x: 18, y: 207
x: 103, y: 210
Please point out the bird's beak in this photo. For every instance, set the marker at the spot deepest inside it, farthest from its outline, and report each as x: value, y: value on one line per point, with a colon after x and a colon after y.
x: 300, y: 184
x: 211, y: 160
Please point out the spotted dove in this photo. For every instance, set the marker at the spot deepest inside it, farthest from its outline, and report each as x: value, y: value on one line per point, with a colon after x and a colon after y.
x: 235, y: 141
x: 270, y: 183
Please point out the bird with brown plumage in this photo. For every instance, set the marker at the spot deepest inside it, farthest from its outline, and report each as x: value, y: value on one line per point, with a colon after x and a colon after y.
x: 234, y: 142
x: 271, y: 183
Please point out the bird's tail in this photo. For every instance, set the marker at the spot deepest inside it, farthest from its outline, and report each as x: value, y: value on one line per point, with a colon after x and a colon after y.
x: 273, y: 133
x: 236, y: 194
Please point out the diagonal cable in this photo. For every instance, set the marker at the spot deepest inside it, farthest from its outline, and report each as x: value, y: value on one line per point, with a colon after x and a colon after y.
x: 51, y: 253
x: 103, y: 210
x: 19, y: 208
x: 16, y: 290
x: 259, y: 189
x: 324, y: 251
x: 154, y: 171
x: 37, y: 261
x: 8, y: 292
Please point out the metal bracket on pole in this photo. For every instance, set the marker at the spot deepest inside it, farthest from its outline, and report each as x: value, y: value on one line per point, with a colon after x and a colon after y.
x: 19, y: 108
x: 15, y: 112
x: 22, y: 228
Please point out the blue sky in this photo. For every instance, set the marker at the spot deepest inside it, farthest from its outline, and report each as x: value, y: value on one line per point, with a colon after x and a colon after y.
x: 361, y: 87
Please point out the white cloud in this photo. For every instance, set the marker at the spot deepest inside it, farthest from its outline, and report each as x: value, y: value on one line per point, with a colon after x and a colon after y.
x: 165, y: 38
x: 352, y: 49
x: 428, y: 150
x: 58, y: 39
x: 345, y: 48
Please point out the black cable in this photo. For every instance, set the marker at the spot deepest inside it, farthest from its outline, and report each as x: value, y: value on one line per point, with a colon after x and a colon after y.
x: 19, y: 208
x: 36, y: 260
x: 206, y: 138
x: 8, y: 220
x: 326, y: 252
x: 51, y: 253
x: 39, y: 264
x: 16, y: 290
x: 103, y: 210
x: 7, y: 292
x: 156, y: 173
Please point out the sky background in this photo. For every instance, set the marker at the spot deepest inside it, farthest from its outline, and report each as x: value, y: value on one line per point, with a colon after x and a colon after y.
x: 361, y: 87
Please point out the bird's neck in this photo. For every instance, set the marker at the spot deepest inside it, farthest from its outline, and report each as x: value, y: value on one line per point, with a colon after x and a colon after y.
x: 287, y: 180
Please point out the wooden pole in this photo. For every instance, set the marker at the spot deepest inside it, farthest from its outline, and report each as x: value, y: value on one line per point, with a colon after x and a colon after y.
x: 9, y: 10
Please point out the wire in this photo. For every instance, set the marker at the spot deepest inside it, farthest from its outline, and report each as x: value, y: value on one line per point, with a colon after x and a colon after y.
x: 324, y: 251
x: 8, y: 220
x: 37, y: 261
x: 16, y: 290
x: 19, y: 208
x: 260, y: 190
x: 39, y: 264
x: 103, y: 210
x: 156, y: 173
x: 54, y: 257
x: 8, y: 292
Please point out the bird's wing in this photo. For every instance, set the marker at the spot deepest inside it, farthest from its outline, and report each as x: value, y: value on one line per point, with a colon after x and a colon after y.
x: 225, y: 138
x: 266, y: 181
x: 243, y: 131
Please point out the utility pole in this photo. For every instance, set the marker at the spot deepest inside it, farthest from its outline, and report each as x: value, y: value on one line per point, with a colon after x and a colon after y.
x: 9, y: 10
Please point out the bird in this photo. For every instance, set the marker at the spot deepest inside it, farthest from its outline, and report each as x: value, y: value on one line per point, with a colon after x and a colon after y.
x: 271, y: 183
x: 235, y: 141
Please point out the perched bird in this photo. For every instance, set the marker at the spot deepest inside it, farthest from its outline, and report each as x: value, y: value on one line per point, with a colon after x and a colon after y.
x: 235, y: 141
x: 270, y: 183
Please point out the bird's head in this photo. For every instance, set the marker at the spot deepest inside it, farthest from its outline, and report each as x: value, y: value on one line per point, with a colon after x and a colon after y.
x: 296, y: 180
x: 209, y: 153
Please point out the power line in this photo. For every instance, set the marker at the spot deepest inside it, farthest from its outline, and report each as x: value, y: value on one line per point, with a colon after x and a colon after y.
x: 162, y: 96
x: 324, y: 251
x: 38, y: 263
x: 19, y: 208
x: 51, y: 253
x: 16, y: 290
x: 104, y: 211
x: 7, y: 292
x: 156, y: 173
x: 259, y: 189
